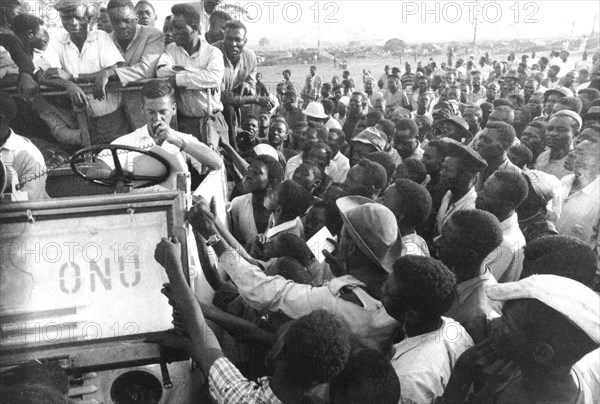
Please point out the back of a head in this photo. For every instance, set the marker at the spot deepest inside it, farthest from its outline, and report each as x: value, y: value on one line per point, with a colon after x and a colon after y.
x: 478, y: 230
x: 563, y: 256
x: 321, y: 130
x: 290, y: 269
x: 385, y: 159
x: 520, y: 155
x: 429, y: 287
x: 388, y: 127
x: 188, y: 11
x: 415, y: 202
x: 328, y: 106
x: 23, y: 23
x: 503, y: 113
x: 373, y: 118
x: 514, y: 187
x: 570, y: 103
x: 317, y: 347
x: 368, y: 378
x: 375, y: 174
x: 415, y: 169
x: 506, y: 133
x: 294, y: 199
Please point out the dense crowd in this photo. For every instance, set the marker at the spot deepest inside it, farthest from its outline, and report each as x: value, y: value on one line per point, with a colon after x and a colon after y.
x: 430, y: 238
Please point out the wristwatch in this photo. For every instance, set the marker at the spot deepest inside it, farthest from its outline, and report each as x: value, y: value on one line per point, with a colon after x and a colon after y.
x: 213, y: 240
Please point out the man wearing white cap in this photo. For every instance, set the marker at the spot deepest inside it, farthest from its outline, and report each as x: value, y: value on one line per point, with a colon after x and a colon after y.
x: 368, y: 233
x: 549, y: 323
x: 580, y: 216
x: 560, y: 132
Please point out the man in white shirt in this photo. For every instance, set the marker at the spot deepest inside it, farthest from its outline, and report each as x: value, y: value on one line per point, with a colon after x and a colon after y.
x: 79, y: 56
x: 340, y: 164
x: 196, y: 67
x: 25, y: 165
x: 502, y: 193
x: 580, y: 215
x: 158, y: 100
x: 417, y: 293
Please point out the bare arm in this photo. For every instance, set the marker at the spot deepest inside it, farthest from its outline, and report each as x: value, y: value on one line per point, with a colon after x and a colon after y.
x: 205, y: 348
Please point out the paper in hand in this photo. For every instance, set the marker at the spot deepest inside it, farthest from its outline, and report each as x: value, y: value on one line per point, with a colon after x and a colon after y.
x: 319, y: 242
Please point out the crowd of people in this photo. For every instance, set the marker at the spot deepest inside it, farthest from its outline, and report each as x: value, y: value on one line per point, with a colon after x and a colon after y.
x: 460, y: 206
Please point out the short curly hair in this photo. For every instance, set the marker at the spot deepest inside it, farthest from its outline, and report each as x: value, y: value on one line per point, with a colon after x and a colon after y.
x: 274, y: 169
x: 478, y: 230
x: 189, y: 12
x: 556, y: 255
x: 368, y: 378
x: 293, y: 199
x: 290, y: 269
x: 416, y: 169
x: 375, y: 174
x: 317, y: 347
x: 415, y: 202
x: 428, y: 286
x: 385, y: 159
x: 514, y: 187
x: 571, y: 103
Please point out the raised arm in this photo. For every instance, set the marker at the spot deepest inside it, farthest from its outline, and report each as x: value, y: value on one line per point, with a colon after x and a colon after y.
x: 205, y: 348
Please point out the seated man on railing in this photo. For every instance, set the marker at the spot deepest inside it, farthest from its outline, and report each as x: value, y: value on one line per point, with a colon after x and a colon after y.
x: 195, y: 66
x: 158, y: 100
x: 79, y: 56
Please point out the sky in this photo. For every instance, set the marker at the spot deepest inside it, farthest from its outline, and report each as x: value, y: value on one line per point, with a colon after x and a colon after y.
x: 290, y: 23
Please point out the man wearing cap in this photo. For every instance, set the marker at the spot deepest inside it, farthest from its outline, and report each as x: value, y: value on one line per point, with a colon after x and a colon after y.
x: 368, y: 233
x: 560, y: 132
x: 453, y: 127
x: 580, y: 216
x: 195, y: 66
x: 552, y: 96
x: 549, y: 323
x: 79, y: 56
x: 25, y: 165
x: 591, y: 117
x: 458, y: 175
x: 367, y: 141
x: 493, y: 145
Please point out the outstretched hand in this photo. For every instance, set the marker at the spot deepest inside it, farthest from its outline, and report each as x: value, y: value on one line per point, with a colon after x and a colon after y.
x: 202, y: 219
x: 168, y: 254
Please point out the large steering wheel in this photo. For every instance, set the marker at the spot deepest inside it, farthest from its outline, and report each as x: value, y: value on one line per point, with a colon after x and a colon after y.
x: 120, y: 178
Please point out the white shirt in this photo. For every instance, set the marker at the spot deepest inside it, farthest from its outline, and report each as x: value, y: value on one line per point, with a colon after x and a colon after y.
x: 25, y: 161
x: 338, y: 167
x: 580, y: 216
x: 333, y: 124
x: 141, y: 138
x: 447, y: 209
x: 98, y: 52
x: 203, y: 69
x: 424, y: 362
x: 506, y: 261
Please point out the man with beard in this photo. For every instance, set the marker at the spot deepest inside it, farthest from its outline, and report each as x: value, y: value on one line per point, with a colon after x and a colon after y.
x: 534, y: 137
x: 315, y: 133
x: 560, y: 132
x: 194, y: 65
x: 493, y: 145
x: 357, y: 109
x: 459, y: 174
x: 239, y: 85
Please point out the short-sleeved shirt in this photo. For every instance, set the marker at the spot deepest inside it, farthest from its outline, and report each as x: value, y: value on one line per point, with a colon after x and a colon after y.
x: 98, y: 52
x: 25, y: 161
x: 226, y: 385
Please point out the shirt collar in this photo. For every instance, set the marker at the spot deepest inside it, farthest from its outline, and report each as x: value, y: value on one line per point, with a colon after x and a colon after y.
x: 138, y: 29
x: 11, y: 142
x: 510, y: 223
x: 91, y: 37
x: 463, y: 288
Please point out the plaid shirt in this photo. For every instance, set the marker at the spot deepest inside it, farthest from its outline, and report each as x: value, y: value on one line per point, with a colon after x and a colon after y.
x: 228, y: 385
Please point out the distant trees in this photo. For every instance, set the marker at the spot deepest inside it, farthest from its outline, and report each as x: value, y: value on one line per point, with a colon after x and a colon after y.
x: 264, y: 41
x: 394, y: 45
